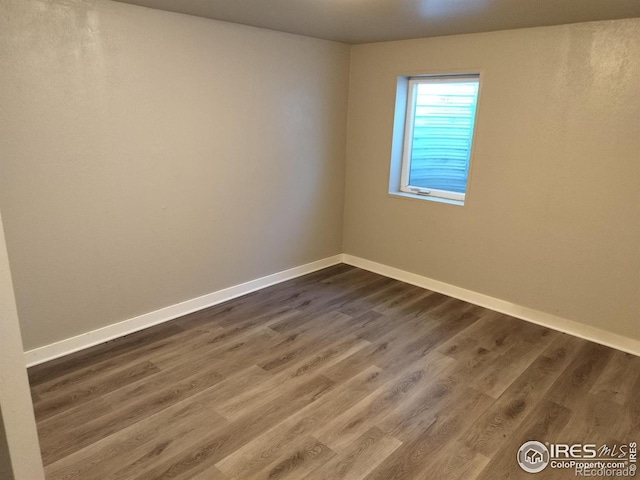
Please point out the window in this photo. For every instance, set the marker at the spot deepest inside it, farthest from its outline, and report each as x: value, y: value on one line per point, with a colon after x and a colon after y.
x: 438, y: 133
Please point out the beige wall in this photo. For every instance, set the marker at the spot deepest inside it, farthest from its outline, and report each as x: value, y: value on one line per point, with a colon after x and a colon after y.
x: 552, y: 219
x: 149, y: 158
x: 19, y: 449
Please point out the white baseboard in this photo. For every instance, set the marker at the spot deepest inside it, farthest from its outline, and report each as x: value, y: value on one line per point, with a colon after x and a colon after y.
x: 101, y: 335
x: 571, y: 327
x: 110, y: 332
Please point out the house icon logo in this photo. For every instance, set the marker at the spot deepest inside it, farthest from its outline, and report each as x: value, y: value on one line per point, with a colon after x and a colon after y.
x: 533, y: 457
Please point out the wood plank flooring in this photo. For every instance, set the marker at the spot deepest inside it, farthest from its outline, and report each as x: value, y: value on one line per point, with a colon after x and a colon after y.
x: 340, y: 374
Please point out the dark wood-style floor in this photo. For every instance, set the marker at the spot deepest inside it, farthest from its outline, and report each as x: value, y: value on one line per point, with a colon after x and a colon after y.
x: 341, y: 374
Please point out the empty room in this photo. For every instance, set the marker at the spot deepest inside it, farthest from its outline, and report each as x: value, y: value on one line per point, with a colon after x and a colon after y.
x: 319, y: 239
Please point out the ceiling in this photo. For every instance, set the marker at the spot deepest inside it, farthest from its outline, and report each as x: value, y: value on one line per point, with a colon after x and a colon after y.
x: 365, y: 21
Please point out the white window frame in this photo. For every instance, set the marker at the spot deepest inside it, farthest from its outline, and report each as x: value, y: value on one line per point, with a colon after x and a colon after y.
x: 408, y: 135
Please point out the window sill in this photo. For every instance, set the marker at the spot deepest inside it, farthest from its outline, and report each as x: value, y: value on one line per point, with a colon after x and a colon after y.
x: 412, y: 196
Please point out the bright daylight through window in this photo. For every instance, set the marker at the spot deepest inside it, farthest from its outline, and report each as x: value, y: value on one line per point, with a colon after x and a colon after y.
x: 438, y: 135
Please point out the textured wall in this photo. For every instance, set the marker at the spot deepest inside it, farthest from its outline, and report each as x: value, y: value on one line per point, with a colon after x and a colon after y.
x: 552, y: 218
x: 148, y: 158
